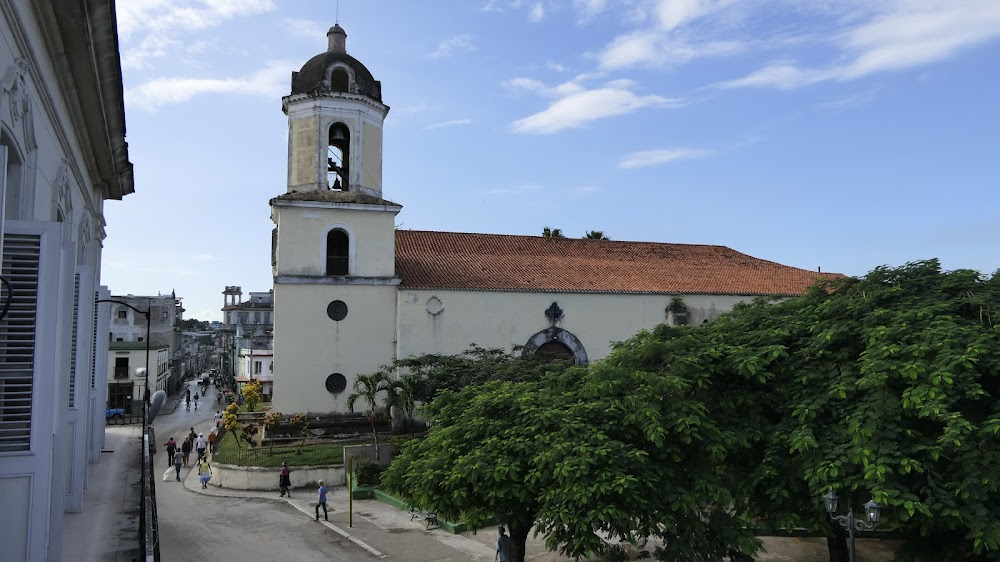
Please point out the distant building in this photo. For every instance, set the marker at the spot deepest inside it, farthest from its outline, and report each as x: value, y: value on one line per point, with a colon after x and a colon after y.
x: 247, y: 330
x: 352, y: 293
x: 62, y: 156
x: 166, y: 314
x: 126, y: 384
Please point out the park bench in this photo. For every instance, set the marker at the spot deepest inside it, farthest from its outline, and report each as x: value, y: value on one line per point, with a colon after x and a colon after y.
x: 431, y: 517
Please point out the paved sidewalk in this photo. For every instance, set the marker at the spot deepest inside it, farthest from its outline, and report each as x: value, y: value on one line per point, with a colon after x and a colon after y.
x: 388, y: 533
x: 108, y: 526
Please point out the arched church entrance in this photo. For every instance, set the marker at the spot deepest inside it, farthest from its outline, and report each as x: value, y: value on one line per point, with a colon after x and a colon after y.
x: 555, y: 343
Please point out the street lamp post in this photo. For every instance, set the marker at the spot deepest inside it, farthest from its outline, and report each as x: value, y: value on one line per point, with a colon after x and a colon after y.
x: 872, y: 510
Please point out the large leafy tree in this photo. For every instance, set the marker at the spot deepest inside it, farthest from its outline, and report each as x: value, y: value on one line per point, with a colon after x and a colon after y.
x: 886, y: 386
x: 586, y: 456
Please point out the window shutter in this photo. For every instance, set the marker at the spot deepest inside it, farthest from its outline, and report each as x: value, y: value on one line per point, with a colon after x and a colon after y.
x: 72, y: 344
x: 21, y: 262
x: 93, y: 349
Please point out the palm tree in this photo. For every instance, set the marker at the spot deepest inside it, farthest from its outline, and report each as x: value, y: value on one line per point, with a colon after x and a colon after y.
x: 552, y: 232
x: 595, y: 235
x: 367, y: 386
x: 402, y: 393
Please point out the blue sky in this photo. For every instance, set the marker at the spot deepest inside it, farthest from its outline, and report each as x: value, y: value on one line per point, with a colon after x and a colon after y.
x: 841, y: 134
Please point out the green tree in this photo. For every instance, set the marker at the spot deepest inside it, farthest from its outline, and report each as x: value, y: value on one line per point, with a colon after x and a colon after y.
x: 552, y: 232
x: 595, y: 235
x: 886, y: 387
x: 580, y: 455
x: 402, y: 394
x: 367, y: 386
x: 271, y: 422
x: 252, y: 394
x: 475, y: 365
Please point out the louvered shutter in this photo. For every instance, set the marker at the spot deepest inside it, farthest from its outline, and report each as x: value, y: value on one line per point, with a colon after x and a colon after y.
x: 17, y: 340
x: 72, y: 343
x: 93, y: 347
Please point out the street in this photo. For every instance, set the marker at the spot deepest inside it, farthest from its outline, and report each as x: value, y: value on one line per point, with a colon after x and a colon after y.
x: 201, y: 527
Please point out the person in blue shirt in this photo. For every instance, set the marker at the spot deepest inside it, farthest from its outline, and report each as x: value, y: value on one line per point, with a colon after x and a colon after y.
x: 503, y: 547
x: 321, y: 501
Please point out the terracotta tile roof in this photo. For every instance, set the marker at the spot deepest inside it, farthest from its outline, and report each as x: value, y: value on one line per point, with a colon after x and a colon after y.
x: 498, y: 262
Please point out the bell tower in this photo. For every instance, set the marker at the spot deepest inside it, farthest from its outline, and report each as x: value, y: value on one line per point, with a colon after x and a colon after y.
x: 333, y: 248
x: 335, y: 118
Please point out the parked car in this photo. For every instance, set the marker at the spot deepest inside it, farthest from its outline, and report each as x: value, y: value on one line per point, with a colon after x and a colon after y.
x: 114, y: 413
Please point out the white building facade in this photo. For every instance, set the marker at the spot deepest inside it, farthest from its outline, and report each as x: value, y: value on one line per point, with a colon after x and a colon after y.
x: 62, y: 155
x: 352, y: 293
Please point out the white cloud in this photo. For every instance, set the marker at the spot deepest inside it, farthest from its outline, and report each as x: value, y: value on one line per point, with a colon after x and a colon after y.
x: 524, y: 84
x: 450, y: 46
x: 662, y: 156
x: 908, y: 34
x: 653, y: 48
x: 449, y: 124
x: 582, y: 190
x: 588, y: 9
x: 162, y: 15
x: 556, y: 66
x: 537, y: 13
x: 272, y: 80
x: 580, y: 108
x: 306, y: 29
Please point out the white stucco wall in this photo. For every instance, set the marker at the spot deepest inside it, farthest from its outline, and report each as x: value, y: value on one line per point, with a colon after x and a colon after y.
x: 494, y: 319
x: 309, y: 346
x: 257, y: 478
x: 302, y: 240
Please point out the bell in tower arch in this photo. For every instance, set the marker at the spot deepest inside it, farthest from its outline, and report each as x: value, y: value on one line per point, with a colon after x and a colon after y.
x: 338, y: 156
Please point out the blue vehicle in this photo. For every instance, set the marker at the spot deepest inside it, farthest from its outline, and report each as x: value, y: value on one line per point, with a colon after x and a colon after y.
x: 114, y: 413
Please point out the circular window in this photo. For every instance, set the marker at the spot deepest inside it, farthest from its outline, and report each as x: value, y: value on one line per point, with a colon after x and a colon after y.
x: 336, y: 383
x: 337, y: 310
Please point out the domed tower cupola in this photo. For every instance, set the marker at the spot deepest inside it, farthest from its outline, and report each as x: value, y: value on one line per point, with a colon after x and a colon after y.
x: 335, y: 119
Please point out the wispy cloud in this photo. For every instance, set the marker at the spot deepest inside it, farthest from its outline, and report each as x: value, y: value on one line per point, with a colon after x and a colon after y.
x: 645, y: 158
x: 907, y: 34
x: 419, y: 107
x: 582, y: 190
x: 523, y: 188
x: 449, y: 124
x: 450, y: 46
x: 537, y: 13
x: 303, y: 28
x: 583, y: 106
x: 164, y: 15
x: 159, y: 22
x: 271, y: 80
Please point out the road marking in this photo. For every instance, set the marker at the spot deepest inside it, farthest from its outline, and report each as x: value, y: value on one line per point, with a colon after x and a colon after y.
x: 343, y: 533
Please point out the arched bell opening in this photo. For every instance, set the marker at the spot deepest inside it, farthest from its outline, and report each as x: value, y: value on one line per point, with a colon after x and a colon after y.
x: 337, y: 157
x: 340, y: 81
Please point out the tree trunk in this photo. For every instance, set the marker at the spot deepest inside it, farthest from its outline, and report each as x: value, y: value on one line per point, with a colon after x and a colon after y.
x: 518, y: 541
x: 837, y: 547
x: 375, y: 435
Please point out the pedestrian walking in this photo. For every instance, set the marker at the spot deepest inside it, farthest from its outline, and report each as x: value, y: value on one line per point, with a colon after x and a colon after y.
x: 192, y: 435
x: 285, y: 482
x: 218, y: 419
x: 171, y: 446
x: 186, y: 447
x: 204, y: 472
x: 503, y: 547
x: 212, y: 438
x: 178, y: 459
x: 200, y: 444
x: 321, y: 501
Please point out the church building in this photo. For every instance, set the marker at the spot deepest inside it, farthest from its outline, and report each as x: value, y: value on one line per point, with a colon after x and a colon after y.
x: 352, y: 293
